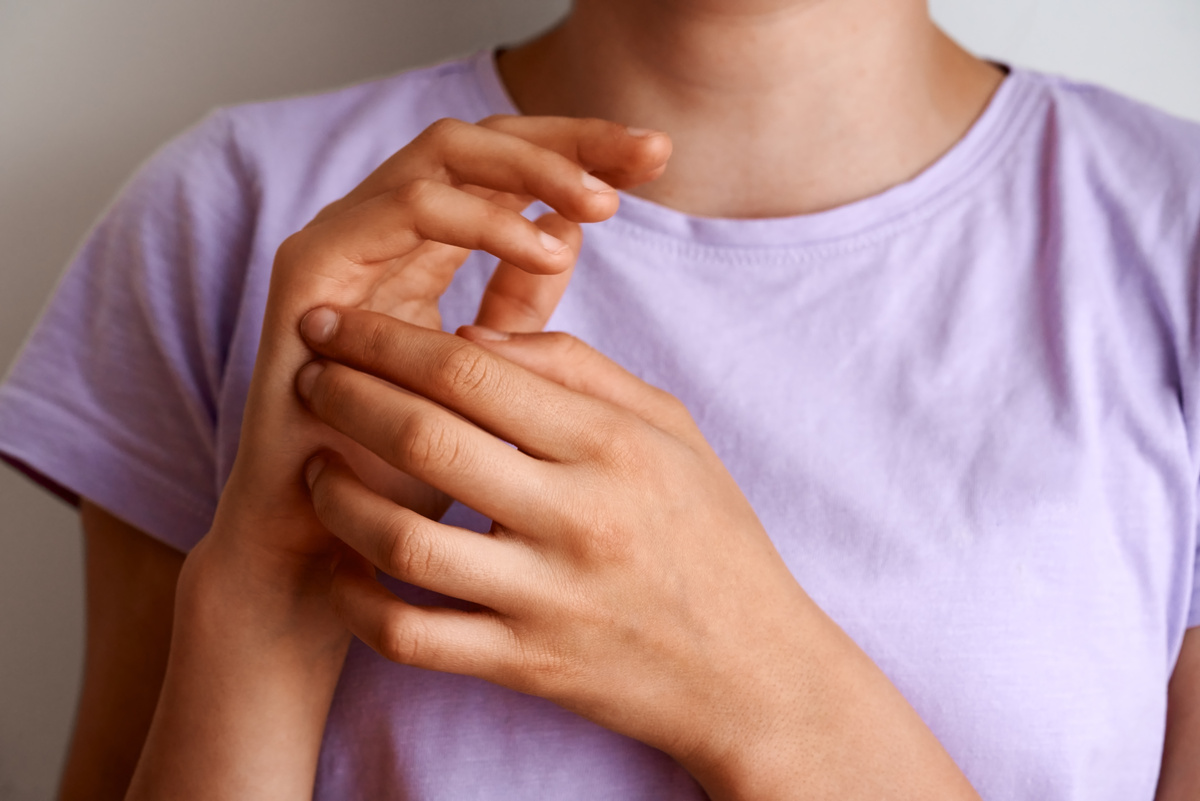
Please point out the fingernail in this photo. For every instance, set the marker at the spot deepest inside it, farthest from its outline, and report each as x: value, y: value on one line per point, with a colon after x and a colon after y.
x: 307, y: 377
x: 552, y: 244
x: 640, y: 133
x: 484, y: 333
x: 317, y: 326
x: 313, y: 469
x: 594, y: 184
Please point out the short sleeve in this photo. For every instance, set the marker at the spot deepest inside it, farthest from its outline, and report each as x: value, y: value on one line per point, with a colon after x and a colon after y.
x: 113, y: 397
x: 1194, y: 614
x: 1193, y: 618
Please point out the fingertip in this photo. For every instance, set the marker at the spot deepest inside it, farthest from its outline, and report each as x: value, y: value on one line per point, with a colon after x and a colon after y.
x: 319, y: 324
x: 640, y: 133
x: 482, y: 334
x: 552, y: 244
x: 590, y: 206
x: 645, y: 159
x: 312, y: 471
x: 656, y: 152
x: 595, y: 185
x: 307, y: 378
x: 559, y: 226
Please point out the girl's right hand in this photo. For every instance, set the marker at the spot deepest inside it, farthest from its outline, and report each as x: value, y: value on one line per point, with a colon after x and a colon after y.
x: 392, y: 245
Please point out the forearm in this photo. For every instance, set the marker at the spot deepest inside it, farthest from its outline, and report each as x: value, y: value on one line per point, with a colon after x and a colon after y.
x: 831, y: 726
x: 251, y: 673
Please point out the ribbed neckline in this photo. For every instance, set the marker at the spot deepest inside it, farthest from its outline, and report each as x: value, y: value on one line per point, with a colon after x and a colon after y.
x: 859, y: 223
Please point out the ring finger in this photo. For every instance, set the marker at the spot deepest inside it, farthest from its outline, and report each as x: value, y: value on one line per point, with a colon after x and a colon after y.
x: 406, y: 545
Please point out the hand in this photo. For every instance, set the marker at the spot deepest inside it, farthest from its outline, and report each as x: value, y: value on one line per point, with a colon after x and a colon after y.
x: 256, y: 649
x: 392, y: 245
x: 627, y: 578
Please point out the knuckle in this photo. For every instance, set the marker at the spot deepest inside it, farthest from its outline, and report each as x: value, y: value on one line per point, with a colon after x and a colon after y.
x: 413, y: 193
x: 426, y: 446
x: 322, y: 498
x: 464, y: 370
x: 376, y: 341
x: 497, y: 217
x: 442, y: 129
x: 496, y: 224
x: 674, y: 409
x: 330, y: 395
x: 620, y: 444
x: 544, y: 668
x: 403, y: 639
x: 607, y: 541
x: 409, y: 556
x: 564, y: 350
x: 595, y: 137
x: 563, y: 344
x: 496, y: 122
x: 291, y: 248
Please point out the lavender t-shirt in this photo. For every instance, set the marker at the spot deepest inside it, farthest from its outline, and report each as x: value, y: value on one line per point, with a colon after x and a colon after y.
x: 967, y: 410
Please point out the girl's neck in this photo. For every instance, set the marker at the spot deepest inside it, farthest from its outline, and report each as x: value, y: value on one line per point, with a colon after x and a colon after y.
x: 775, y: 107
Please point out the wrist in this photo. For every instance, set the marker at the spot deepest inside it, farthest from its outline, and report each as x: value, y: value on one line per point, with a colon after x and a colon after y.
x: 246, y: 592
x: 773, y: 707
x: 825, y: 723
x: 255, y: 658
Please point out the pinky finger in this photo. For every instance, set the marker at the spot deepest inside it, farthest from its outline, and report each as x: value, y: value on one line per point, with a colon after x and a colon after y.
x: 430, y: 637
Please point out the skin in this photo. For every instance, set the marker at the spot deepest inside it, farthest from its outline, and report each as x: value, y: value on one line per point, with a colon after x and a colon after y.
x: 264, y: 606
x: 775, y: 107
x: 257, y: 647
x: 679, y: 608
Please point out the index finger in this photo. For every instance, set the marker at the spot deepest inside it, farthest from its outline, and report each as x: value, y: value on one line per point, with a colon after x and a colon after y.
x: 544, y: 419
x: 622, y: 156
x: 519, y: 158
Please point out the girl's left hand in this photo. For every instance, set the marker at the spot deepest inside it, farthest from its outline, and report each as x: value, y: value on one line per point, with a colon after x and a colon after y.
x: 626, y: 577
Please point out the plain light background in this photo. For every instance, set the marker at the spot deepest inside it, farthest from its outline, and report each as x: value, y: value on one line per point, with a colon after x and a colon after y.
x: 88, y: 90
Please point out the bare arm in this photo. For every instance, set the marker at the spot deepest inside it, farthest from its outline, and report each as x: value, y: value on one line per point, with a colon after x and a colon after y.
x: 130, y: 597
x: 214, y: 680
x: 241, y: 713
x: 1180, y: 778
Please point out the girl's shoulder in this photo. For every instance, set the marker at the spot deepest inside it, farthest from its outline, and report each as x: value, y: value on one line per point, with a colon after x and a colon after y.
x: 350, y: 130
x: 1117, y: 144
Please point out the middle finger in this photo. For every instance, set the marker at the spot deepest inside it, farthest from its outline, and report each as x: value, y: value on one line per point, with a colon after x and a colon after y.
x: 431, y: 444
x: 453, y: 561
x: 540, y: 417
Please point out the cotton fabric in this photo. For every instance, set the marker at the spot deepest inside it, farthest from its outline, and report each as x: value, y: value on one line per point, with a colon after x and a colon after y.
x: 966, y: 410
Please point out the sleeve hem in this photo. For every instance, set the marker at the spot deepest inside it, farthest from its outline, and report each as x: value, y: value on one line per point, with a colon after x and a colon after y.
x: 78, y: 461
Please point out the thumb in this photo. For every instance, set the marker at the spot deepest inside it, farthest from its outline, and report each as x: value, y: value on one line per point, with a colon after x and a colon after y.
x: 519, y: 301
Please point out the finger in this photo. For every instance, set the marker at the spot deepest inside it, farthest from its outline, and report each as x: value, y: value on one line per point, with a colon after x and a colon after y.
x: 430, y: 637
x: 574, y: 364
x: 477, y: 155
x: 539, y: 416
x: 549, y: 159
x: 402, y: 543
x: 424, y: 440
x: 391, y: 225
x: 516, y: 300
x: 622, y: 156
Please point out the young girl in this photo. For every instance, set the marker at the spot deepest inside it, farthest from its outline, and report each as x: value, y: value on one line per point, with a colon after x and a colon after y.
x: 867, y: 468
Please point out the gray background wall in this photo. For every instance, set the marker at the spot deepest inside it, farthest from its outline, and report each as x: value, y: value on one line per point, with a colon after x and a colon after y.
x: 87, y: 90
